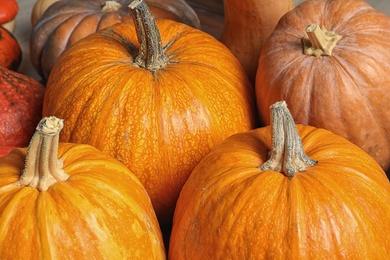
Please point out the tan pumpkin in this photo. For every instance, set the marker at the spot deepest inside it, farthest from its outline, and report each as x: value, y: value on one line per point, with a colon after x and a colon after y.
x: 66, y: 22
x: 328, y: 60
x: 71, y: 201
x: 247, y: 25
x: 158, y: 100
x: 317, y: 196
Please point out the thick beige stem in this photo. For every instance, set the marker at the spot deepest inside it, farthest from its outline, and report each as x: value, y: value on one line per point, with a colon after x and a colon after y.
x: 287, y: 153
x: 319, y: 41
x: 42, y: 167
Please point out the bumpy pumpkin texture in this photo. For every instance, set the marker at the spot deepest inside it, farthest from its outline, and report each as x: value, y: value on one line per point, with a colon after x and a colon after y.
x: 158, y: 106
x: 330, y: 61
x: 62, y: 200
x: 317, y: 196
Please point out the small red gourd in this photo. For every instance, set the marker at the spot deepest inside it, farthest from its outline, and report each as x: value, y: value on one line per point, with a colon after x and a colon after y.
x: 328, y: 59
x: 157, y: 96
x: 283, y: 191
x: 63, y: 200
x: 21, y: 102
x: 8, y: 11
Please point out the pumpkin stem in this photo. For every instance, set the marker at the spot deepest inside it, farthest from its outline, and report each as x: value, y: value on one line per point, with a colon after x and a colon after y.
x: 111, y: 6
x: 42, y: 167
x: 319, y: 41
x: 150, y: 54
x: 287, y: 153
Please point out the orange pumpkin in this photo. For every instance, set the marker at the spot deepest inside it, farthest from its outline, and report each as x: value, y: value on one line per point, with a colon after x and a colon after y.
x: 66, y: 22
x: 62, y: 200
x: 247, y: 25
x: 317, y: 196
x: 158, y: 106
x: 329, y: 59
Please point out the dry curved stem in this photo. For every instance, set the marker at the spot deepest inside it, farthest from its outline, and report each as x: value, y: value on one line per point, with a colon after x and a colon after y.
x: 42, y: 167
x: 287, y: 154
x: 150, y: 54
x: 319, y: 41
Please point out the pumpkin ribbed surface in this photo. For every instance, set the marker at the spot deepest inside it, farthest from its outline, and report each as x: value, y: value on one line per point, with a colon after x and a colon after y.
x: 100, y: 212
x: 231, y: 209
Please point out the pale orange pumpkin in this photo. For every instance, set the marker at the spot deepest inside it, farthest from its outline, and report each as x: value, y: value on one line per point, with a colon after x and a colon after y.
x: 329, y: 60
x: 317, y: 196
x: 158, y: 106
x: 71, y: 201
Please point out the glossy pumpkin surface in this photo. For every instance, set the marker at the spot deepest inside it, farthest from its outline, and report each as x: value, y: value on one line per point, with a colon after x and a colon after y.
x: 158, y: 121
x: 99, y: 210
x: 345, y: 91
x: 230, y: 208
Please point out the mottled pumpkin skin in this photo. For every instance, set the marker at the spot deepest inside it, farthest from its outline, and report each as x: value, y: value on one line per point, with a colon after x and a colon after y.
x: 101, y: 212
x: 21, y: 101
x: 158, y: 123
x: 347, y: 92
x: 230, y: 209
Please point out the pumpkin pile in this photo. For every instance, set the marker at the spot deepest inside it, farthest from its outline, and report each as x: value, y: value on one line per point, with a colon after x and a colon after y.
x: 145, y: 137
